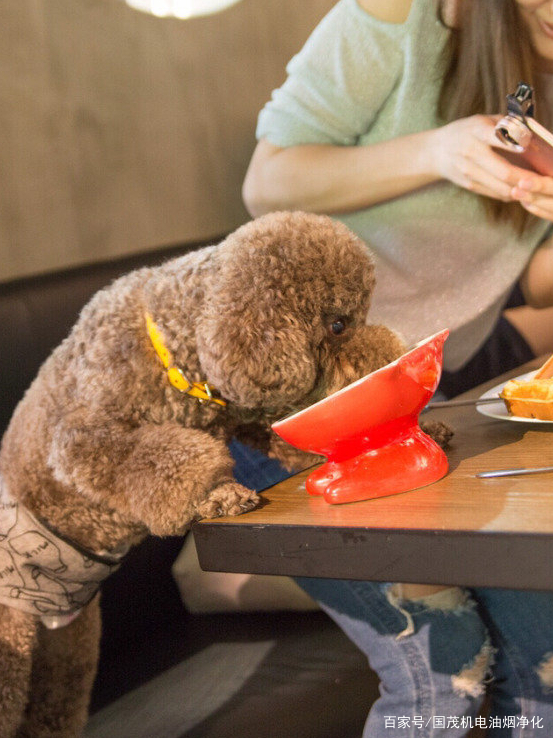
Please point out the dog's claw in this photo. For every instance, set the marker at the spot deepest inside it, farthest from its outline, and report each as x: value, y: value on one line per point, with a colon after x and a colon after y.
x: 230, y: 498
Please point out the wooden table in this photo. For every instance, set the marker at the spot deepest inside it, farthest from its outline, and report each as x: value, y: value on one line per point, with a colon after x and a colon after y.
x: 461, y: 530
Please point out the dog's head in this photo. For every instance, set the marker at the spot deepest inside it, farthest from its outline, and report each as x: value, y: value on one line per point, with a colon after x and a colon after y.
x: 283, y: 322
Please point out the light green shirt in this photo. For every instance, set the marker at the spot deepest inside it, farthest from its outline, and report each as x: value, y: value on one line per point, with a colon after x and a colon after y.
x: 440, y: 262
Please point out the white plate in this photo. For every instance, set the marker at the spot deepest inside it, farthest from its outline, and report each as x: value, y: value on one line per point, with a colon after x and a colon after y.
x: 498, y: 409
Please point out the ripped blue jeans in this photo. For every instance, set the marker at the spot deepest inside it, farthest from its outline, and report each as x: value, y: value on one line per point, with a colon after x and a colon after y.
x: 437, y: 655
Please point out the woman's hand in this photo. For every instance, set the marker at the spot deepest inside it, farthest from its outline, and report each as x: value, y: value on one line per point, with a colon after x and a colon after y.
x: 468, y: 154
x: 535, y: 193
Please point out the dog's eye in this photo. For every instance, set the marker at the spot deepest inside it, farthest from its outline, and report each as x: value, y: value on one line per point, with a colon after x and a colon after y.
x: 337, y: 326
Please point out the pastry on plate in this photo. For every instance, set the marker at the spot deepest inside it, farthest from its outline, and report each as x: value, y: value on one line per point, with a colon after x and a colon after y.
x: 531, y: 398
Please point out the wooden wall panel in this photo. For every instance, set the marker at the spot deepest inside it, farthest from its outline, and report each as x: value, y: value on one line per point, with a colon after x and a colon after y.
x: 123, y: 132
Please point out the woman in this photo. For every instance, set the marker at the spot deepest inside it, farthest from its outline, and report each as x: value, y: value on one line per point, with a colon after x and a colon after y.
x: 386, y: 120
x: 357, y: 130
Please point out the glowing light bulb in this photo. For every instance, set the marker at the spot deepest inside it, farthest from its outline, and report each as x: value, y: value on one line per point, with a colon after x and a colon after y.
x: 180, y: 8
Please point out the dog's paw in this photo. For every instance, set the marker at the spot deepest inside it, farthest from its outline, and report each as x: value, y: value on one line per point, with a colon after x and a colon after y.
x: 439, y: 431
x: 229, y: 498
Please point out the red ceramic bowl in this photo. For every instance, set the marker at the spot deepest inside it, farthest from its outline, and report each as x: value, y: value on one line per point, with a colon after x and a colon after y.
x: 369, y: 430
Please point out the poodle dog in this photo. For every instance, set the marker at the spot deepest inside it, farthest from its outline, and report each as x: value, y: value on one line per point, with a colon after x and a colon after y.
x: 124, y: 431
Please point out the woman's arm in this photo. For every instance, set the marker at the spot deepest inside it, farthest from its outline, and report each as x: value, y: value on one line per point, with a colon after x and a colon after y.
x: 329, y: 179
x: 332, y: 179
x: 537, y: 280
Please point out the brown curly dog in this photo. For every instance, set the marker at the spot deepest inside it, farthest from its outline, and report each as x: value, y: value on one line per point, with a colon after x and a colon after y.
x: 104, y: 448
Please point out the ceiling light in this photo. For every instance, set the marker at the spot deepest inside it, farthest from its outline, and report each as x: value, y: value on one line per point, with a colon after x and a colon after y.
x: 180, y: 8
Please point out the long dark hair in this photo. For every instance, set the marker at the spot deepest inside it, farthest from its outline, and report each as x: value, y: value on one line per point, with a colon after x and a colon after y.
x: 489, y: 52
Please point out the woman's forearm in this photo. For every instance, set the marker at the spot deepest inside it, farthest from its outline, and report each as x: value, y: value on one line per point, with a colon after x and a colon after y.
x: 332, y: 179
x: 537, y: 280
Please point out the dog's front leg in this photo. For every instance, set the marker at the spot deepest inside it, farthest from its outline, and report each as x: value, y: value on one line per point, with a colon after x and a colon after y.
x: 181, y: 474
x: 64, y: 668
x: 17, y: 639
x: 162, y: 476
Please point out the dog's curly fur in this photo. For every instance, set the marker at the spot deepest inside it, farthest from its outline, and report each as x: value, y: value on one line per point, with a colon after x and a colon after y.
x: 105, y: 450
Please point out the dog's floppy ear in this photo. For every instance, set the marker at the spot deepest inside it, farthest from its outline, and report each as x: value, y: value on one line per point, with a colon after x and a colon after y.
x: 255, y: 354
x: 253, y: 333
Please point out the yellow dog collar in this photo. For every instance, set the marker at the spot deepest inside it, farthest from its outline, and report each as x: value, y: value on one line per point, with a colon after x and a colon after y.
x: 200, y: 390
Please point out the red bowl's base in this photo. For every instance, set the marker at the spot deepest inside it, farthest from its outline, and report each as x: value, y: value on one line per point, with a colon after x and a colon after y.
x: 411, y: 461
